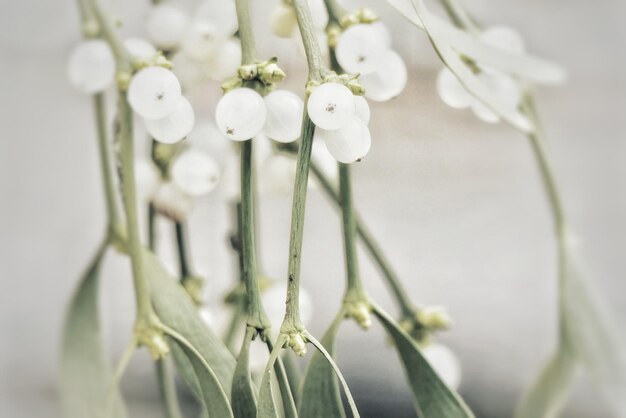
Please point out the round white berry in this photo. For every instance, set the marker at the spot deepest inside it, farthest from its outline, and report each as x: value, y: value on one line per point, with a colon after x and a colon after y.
x: 189, y: 72
x: 195, y: 172
x: 445, y: 363
x: 240, y: 114
x: 505, y: 38
x: 166, y: 25
x: 147, y: 178
x: 225, y: 61
x: 383, y: 32
x: 154, y: 92
x: 388, y: 80
x: 362, y: 109
x: 172, y: 202
x: 91, y: 66
x: 284, y: 116
x: 331, y: 106
x: 360, y: 49
x: 350, y: 143
x: 173, y: 127
x: 319, y: 14
x: 277, y: 174
x: 283, y: 20
x: 201, y: 41
x: 504, y: 87
x: 222, y: 14
x: 452, y: 91
x: 139, y: 48
x: 206, y: 137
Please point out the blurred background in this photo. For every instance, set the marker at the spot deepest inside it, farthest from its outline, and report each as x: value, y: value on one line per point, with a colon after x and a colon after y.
x: 457, y: 205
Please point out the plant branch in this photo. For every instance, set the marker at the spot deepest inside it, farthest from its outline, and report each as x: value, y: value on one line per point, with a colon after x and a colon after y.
x: 181, y: 245
x: 459, y: 16
x: 246, y: 36
x: 309, y: 39
x: 167, y: 387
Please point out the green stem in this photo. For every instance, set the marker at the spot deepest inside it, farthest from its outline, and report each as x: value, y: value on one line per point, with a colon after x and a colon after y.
x: 246, y: 36
x: 309, y: 39
x: 374, y: 249
x: 354, y: 288
x: 145, y: 312
x: 152, y: 227
x: 335, y: 12
x: 181, y: 245
x: 113, y: 217
x: 548, y: 178
x: 167, y: 387
x: 256, y: 316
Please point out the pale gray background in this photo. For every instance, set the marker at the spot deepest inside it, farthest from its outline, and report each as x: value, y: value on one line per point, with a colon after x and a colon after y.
x: 457, y: 204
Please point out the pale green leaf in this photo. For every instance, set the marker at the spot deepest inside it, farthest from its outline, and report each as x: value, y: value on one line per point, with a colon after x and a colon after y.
x: 433, y: 398
x: 594, y: 336
x: 546, y: 396
x: 214, y: 399
x: 344, y: 384
x: 242, y: 393
x: 177, y: 311
x: 286, y: 394
x: 320, y: 397
x: 266, y: 407
x: 86, y: 375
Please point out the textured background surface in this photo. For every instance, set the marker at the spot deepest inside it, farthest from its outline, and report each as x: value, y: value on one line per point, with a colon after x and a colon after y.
x: 457, y: 205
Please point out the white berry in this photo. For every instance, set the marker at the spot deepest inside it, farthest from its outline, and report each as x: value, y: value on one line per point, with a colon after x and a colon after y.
x: 173, y: 127
x: 201, y: 41
x: 225, y: 60
x: 451, y: 91
x: 505, y: 38
x: 388, y: 80
x: 221, y: 13
x: 350, y: 143
x: 91, y: 66
x: 331, y: 106
x: 173, y: 202
x: 362, y: 109
x: 139, y: 48
x: 283, y: 20
x: 240, y: 114
x: 147, y: 178
x: 284, y: 116
x: 166, y: 25
x: 195, y: 172
x: 360, y: 49
x: 154, y: 92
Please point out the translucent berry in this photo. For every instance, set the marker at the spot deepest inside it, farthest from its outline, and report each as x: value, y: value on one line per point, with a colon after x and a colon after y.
x: 154, y: 92
x: 240, y: 114
x: 350, y: 143
x: 139, y: 48
x: 505, y: 38
x: 206, y: 137
x: 277, y: 174
x: 195, y: 172
x: 222, y: 14
x: 452, y: 91
x: 388, y: 80
x: 201, y: 41
x: 504, y: 87
x: 283, y: 20
x: 362, y: 109
x: 225, y: 60
x: 172, y: 202
x: 284, y: 116
x: 147, y: 178
x: 189, y: 72
x: 166, y: 25
x: 91, y: 66
x: 445, y: 363
x: 360, y: 49
x: 383, y: 32
x: 331, y: 106
x: 173, y: 127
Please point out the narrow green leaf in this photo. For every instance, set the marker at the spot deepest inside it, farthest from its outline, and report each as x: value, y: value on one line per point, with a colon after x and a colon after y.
x: 85, y: 371
x: 320, y: 397
x: 594, y: 336
x: 266, y: 407
x: 177, y: 311
x: 213, y: 398
x: 521, y: 65
x: 344, y: 384
x: 167, y: 388
x: 242, y: 393
x: 286, y: 394
x: 433, y: 398
x: 546, y: 396
x: 294, y: 375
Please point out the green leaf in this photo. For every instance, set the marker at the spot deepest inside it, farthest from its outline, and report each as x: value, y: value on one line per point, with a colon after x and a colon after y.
x: 178, y: 312
x: 214, y: 398
x: 546, y: 396
x: 286, y: 394
x: 344, y: 384
x: 433, y: 398
x: 521, y: 65
x: 320, y: 397
x: 294, y: 376
x: 594, y: 336
x: 85, y: 372
x: 266, y: 407
x: 242, y: 394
